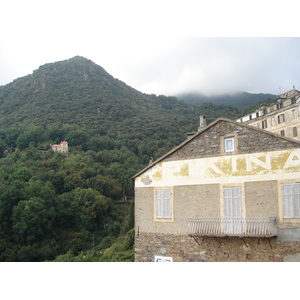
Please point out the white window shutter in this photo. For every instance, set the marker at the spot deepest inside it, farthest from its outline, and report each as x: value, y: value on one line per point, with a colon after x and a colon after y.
x: 296, y: 199
x: 236, y: 199
x: 227, y: 202
x: 167, y: 204
x: 159, y: 204
x: 232, y: 210
x: 287, y: 198
x: 163, y: 204
x: 232, y: 202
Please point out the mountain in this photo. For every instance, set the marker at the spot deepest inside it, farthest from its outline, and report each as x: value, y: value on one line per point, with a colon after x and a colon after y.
x: 77, y: 94
x: 239, y: 100
x: 76, y: 87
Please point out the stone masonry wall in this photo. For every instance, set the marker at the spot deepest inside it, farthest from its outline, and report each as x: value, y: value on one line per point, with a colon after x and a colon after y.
x: 183, y: 248
x: 248, y: 139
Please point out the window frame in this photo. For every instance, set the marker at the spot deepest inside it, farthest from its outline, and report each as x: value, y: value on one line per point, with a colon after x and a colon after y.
x: 227, y: 139
x: 290, y: 200
x: 281, y: 119
x: 295, y: 131
x: 223, y: 139
x: 169, y: 217
x: 241, y: 206
x: 273, y: 121
x: 264, y: 124
x: 232, y: 199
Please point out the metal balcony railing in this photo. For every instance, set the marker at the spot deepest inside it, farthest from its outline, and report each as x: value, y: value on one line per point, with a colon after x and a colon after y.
x: 217, y: 227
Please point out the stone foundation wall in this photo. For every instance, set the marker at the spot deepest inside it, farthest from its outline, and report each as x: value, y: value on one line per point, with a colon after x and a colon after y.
x: 183, y: 248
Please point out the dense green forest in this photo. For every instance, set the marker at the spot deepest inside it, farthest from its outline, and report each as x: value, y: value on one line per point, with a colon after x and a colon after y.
x: 80, y: 206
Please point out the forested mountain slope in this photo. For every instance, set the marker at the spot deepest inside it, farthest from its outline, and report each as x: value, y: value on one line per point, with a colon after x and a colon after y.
x: 75, y: 91
x: 78, y: 95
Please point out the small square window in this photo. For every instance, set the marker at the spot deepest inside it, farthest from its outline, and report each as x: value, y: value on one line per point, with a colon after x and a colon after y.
x: 229, y: 144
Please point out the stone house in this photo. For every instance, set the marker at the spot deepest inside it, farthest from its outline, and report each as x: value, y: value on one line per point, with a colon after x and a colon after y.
x: 230, y: 192
x: 62, y: 147
x: 282, y: 117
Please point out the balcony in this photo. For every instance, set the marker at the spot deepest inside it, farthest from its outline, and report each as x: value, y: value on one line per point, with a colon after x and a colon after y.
x: 217, y: 227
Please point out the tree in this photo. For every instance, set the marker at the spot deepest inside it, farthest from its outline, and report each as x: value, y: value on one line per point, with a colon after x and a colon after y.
x: 32, y: 219
x: 92, y: 205
x: 32, y: 135
x: 22, y: 174
x: 27, y: 254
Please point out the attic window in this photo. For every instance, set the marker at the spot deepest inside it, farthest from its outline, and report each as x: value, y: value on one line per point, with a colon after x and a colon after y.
x: 229, y: 144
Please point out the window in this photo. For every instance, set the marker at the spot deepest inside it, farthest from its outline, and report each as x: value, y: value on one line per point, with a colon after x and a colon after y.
x: 232, y: 202
x: 272, y: 121
x: 229, y: 144
x: 232, y: 209
x: 282, y: 132
x: 264, y: 124
x: 294, y: 115
x: 295, y: 131
x: 280, y: 118
x: 291, y: 200
x: 163, y: 204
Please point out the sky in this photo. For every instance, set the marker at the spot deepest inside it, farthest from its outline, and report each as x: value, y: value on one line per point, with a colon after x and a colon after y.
x: 159, y: 47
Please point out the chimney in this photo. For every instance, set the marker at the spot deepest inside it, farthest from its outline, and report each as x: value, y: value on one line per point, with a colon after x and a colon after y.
x: 202, y: 122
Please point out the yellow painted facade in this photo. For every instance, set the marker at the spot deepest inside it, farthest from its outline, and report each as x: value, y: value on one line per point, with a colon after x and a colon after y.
x: 276, y: 165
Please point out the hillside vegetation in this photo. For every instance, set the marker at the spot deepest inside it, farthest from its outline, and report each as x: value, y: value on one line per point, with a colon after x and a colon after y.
x: 79, y: 207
